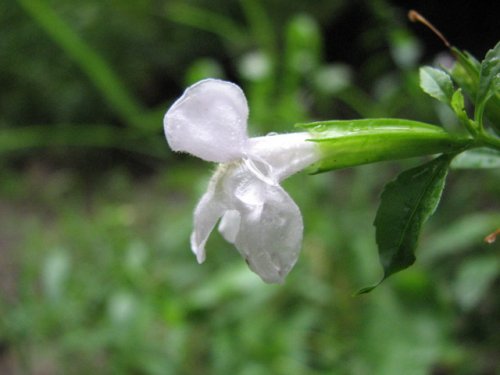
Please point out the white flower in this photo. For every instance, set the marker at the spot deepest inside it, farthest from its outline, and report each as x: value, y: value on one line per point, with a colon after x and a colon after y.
x: 257, y: 215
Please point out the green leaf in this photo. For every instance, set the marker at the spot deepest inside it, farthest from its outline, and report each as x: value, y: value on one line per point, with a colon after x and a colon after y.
x: 481, y: 158
x: 405, y: 206
x: 489, y: 76
x: 466, y: 73
x: 457, y: 104
x: 436, y: 83
x: 347, y: 143
x: 466, y: 70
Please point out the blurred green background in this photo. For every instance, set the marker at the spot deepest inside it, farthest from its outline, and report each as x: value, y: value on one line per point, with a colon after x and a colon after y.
x: 96, y: 274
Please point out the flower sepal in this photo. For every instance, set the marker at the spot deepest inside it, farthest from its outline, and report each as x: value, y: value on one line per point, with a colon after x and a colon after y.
x: 348, y: 143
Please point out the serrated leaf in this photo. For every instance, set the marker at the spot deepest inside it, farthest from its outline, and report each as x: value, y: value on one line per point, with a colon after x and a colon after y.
x: 457, y: 104
x: 406, y: 204
x: 436, y: 83
x: 496, y: 85
x: 489, y: 76
x: 492, y: 112
x: 489, y: 80
x: 482, y: 158
x: 468, y: 67
x: 466, y: 74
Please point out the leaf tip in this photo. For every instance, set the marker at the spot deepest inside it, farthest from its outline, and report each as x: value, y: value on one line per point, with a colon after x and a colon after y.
x: 367, y: 289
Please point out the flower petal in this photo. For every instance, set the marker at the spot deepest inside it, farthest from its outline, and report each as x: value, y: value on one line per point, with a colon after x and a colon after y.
x: 285, y: 154
x: 270, y: 242
x: 207, y: 213
x: 229, y: 225
x: 209, y: 121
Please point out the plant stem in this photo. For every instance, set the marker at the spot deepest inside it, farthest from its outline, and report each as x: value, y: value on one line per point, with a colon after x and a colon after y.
x: 489, y: 141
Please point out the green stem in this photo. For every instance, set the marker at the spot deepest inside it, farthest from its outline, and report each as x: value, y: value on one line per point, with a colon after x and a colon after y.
x: 261, y: 26
x: 478, y: 116
x: 469, y: 126
x: 486, y: 140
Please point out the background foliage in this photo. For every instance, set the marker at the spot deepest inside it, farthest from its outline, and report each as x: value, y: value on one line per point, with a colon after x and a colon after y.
x: 95, y: 212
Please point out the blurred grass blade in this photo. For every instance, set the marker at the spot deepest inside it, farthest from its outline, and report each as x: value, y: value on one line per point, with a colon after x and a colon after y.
x: 261, y: 27
x: 302, y: 56
x: 263, y: 91
x: 474, y: 278
x: 459, y: 236
x: 82, y: 135
x: 203, y: 19
x: 100, y: 73
x: 405, y: 206
x: 302, y: 50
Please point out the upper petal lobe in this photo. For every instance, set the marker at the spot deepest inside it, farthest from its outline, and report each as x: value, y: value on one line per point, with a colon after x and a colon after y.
x: 209, y: 121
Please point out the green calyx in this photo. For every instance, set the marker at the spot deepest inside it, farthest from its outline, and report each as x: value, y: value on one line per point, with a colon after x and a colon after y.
x: 347, y: 143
